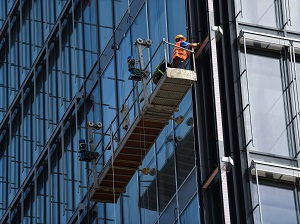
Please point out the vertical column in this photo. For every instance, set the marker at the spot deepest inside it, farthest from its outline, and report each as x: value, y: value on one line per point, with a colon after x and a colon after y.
x: 22, y: 205
x: 49, y: 213
x: 35, y: 195
x: 258, y: 196
x: 217, y: 100
x: 48, y: 85
x: 61, y: 62
x: 9, y: 55
x: 9, y: 153
x: 22, y: 130
x: 47, y: 14
x: 35, y: 110
x: 63, y: 168
x: 33, y: 25
x: 21, y: 37
x: 295, y: 97
x: 74, y: 33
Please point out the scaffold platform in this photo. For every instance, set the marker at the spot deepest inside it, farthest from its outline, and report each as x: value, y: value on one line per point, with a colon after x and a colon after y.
x: 133, y: 147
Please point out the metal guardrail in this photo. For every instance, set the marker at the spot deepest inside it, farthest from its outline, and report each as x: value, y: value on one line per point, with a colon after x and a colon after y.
x: 131, y: 109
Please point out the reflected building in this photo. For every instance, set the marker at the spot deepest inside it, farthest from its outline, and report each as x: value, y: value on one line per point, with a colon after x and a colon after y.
x: 232, y: 159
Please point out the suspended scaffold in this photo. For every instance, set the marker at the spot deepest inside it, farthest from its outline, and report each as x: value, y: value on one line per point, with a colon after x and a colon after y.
x: 154, y: 113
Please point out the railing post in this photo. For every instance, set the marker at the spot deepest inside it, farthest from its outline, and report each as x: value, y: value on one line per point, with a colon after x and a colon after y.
x: 91, y: 126
x: 139, y: 44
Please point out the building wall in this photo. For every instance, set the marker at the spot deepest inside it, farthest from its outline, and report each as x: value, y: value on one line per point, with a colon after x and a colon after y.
x: 258, y: 65
x: 63, y: 64
x: 259, y: 59
x: 269, y: 71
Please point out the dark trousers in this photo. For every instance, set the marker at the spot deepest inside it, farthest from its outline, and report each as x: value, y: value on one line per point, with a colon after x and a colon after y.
x: 179, y: 63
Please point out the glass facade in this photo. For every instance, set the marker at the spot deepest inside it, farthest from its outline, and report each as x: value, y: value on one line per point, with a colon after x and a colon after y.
x: 64, y: 71
x: 63, y: 64
x: 269, y: 73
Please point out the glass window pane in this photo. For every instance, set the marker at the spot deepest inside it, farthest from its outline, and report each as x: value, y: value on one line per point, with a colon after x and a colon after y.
x: 295, y: 16
x: 259, y: 12
x: 275, y: 201
x: 267, y: 105
x: 191, y: 213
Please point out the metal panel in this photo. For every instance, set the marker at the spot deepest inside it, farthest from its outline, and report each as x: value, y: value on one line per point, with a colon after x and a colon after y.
x: 277, y: 171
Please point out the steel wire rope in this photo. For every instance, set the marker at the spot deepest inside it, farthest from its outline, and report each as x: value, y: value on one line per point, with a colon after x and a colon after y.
x: 113, y: 170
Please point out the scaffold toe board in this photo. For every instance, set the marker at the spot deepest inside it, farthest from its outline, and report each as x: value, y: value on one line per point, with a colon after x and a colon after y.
x: 140, y: 137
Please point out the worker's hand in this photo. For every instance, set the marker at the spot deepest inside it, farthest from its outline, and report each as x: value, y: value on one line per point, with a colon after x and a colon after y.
x: 199, y: 45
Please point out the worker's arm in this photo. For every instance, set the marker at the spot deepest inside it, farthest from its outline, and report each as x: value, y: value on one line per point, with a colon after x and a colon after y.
x: 194, y: 45
x: 189, y: 45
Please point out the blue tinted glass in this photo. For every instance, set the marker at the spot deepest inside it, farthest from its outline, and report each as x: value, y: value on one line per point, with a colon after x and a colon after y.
x: 178, y: 24
x: 191, y: 213
x: 131, y: 202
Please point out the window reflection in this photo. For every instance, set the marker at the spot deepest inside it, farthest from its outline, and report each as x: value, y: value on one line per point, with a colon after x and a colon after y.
x: 148, y: 192
x: 275, y: 201
x: 259, y: 12
x: 184, y: 140
x: 166, y: 170
x: 267, y: 105
x: 191, y: 213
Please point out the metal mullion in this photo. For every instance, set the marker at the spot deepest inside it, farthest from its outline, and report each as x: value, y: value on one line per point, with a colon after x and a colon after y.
x: 112, y: 164
x: 47, y: 13
x: 77, y: 140
x: 294, y: 116
x: 241, y: 9
x: 63, y: 168
x: 98, y: 31
x: 176, y: 178
x: 297, y: 203
x: 48, y: 82
x: 284, y: 12
x: 289, y: 12
x: 9, y: 55
x: 61, y: 61
x: 35, y: 108
x: 22, y: 204
x: 248, y: 97
x: 34, y: 26
x: 74, y: 47
x: 10, y: 152
x: 49, y: 185
x: 21, y: 36
x: 68, y: 61
x: 258, y: 197
x: 35, y: 195
x: 22, y: 131
x: 83, y: 47
x: 296, y: 96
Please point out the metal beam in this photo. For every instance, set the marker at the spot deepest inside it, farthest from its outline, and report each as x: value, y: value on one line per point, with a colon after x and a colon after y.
x: 218, y: 110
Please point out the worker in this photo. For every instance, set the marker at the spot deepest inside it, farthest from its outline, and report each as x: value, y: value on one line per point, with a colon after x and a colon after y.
x: 180, y: 55
x: 160, y: 70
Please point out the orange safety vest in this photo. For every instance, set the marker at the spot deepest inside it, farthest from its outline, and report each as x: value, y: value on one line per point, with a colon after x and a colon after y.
x: 179, y: 52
